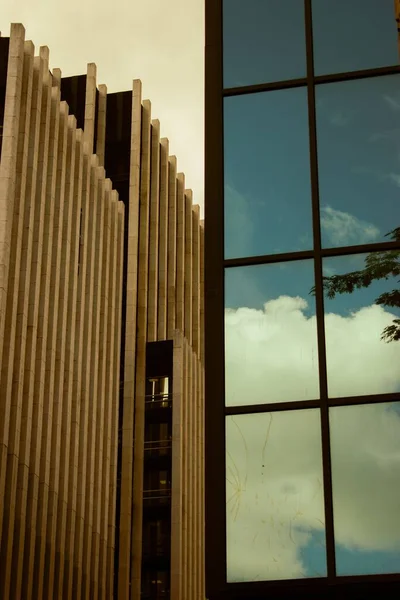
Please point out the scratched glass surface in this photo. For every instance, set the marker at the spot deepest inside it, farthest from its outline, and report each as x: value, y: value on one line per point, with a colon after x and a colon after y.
x: 365, y: 452
x: 274, y: 491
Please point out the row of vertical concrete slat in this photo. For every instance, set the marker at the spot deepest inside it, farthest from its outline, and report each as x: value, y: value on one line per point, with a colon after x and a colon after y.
x: 61, y: 258
x: 164, y: 301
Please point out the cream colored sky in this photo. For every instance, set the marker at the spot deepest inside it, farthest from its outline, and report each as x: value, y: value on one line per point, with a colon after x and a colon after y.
x: 158, y: 41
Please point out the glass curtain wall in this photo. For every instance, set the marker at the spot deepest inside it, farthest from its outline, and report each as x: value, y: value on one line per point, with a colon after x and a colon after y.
x: 311, y: 175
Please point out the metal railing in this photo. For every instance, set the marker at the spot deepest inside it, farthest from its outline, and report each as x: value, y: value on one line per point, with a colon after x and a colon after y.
x: 158, y: 401
x: 158, y: 447
x: 157, y: 497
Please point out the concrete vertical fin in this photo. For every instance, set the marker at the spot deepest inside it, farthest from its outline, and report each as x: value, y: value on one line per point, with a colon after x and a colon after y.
x: 14, y: 338
x: 172, y: 244
x: 141, y: 339
x: 130, y: 343
x: 152, y: 310
x: 163, y: 243
x: 180, y: 253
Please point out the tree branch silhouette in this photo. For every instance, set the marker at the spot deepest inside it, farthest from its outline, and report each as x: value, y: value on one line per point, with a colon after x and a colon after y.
x: 378, y: 265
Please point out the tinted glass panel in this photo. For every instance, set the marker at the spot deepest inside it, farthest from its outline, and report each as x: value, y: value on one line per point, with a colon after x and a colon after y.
x: 267, y: 174
x: 264, y: 40
x: 270, y: 334
x: 358, y: 126
x: 362, y: 311
x: 275, y: 510
x: 350, y: 35
x: 365, y: 450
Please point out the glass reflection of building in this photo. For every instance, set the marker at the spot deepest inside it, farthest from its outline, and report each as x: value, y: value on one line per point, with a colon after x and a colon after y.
x: 302, y: 332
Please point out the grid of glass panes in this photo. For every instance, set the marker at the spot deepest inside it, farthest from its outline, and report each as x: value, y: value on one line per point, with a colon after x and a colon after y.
x: 312, y: 306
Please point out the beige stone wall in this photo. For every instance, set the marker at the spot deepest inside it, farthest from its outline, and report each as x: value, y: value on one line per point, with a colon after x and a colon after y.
x: 61, y: 268
x: 61, y: 257
x: 164, y: 301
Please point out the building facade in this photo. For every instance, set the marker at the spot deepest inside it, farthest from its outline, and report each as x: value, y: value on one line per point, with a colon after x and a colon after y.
x: 302, y: 261
x: 101, y: 310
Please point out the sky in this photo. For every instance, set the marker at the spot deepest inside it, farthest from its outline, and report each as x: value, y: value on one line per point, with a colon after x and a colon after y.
x: 160, y: 42
x: 275, y: 505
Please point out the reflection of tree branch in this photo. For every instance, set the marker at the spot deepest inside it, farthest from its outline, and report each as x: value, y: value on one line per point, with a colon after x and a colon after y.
x: 378, y: 265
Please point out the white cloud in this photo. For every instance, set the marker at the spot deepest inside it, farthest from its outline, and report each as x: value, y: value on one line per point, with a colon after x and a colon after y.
x: 161, y: 43
x: 394, y: 178
x: 394, y: 103
x: 274, y: 476
x: 344, y: 229
x: 340, y: 118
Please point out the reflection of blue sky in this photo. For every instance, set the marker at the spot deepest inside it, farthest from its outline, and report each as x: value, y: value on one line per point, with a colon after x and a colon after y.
x: 267, y: 174
x: 264, y: 40
x: 255, y: 285
x: 358, y: 127
x: 267, y: 177
x: 350, y: 35
x: 256, y: 46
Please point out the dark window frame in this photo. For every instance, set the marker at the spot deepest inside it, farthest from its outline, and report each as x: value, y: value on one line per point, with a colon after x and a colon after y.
x: 215, y: 412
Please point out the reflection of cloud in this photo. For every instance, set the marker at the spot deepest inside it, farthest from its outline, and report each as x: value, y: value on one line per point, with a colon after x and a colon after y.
x: 394, y: 178
x: 340, y: 118
x: 274, y: 465
x: 274, y: 493
x: 394, y: 103
x: 344, y: 229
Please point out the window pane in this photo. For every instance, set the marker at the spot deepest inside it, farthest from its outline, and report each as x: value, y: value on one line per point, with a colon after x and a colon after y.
x: 270, y: 334
x: 274, y: 492
x: 267, y: 174
x: 365, y: 450
x: 264, y: 40
x: 362, y: 304
x: 358, y: 126
x: 350, y: 35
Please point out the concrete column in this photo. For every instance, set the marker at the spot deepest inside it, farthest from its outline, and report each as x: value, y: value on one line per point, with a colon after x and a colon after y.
x: 90, y: 106
x: 74, y: 513
x: 95, y: 396
x: 196, y: 280
x: 7, y: 198
x: 180, y: 253
x: 101, y: 483
x: 177, y: 473
x: 163, y: 243
x: 191, y: 478
x: 101, y: 124
x: 22, y: 388
x: 141, y: 340
x: 130, y: 344
x: 199, y: 491
x: 152, y: 309
x: 114, y: 397
x: 188, y: 284
x: 202, y: 485
x: 52, y: 423
x: 41, y: 394
x: 185, y: 470
x: 14, y: 337
x: 71, y: 343
x: 172, y: 243
x: 116, y: 365
x: 62, y: 430
x: 89, y: 213
x: 202, y: 292
x: 33, y: 345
